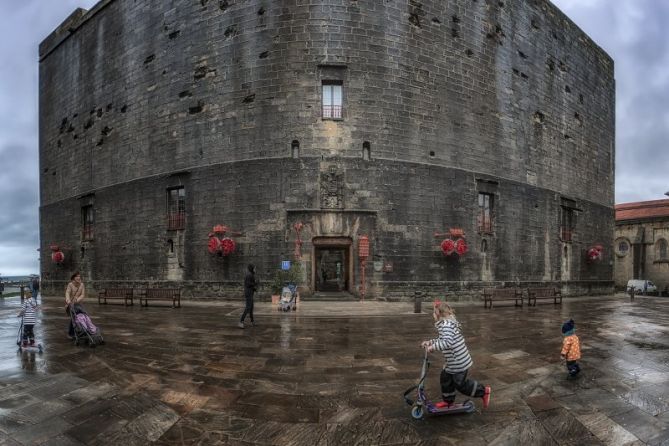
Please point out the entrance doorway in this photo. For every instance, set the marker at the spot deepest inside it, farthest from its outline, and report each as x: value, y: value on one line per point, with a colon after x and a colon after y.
x: 332, y: 264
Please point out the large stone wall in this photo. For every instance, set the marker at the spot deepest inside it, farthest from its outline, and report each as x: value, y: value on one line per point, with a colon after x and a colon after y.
x: 139, y: 96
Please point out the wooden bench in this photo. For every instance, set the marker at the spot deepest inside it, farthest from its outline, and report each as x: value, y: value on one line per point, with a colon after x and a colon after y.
x: 116, y: 293
x: 490, y: 294
x: 543, y: 293
x: 173, y: 294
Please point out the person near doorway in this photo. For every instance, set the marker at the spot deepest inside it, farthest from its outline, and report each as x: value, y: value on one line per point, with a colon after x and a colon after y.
x: 250, y: 287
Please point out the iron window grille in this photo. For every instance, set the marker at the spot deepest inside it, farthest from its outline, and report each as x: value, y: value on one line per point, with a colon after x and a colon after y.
x: 87, y: 223
x: 567, y: 224
x: 484, y: 218
x: 176, y: 208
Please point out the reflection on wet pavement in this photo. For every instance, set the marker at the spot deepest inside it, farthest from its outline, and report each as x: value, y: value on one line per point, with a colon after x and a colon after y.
x: 333, y: 374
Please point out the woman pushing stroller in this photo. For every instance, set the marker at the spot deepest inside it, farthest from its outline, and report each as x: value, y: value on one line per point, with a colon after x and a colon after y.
x: 74, y: 294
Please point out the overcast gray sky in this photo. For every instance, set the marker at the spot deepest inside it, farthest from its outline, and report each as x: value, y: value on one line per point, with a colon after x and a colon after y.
x: 633, y: 32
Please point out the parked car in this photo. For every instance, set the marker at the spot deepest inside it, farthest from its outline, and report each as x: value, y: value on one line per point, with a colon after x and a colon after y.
x: 641, y: 286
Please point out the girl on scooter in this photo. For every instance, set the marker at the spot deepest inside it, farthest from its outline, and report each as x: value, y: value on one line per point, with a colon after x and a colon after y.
x: 458, y: 361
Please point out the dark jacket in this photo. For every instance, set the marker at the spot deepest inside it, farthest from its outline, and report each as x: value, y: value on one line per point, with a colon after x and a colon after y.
x: 250, y: 284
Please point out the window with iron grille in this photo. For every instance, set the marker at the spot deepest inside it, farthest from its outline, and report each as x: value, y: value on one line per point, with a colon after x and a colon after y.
x: 567, y: 220
x: 333, y: 99
x: 176, y: 208
x: 87, y: 222
x: 484, y: 220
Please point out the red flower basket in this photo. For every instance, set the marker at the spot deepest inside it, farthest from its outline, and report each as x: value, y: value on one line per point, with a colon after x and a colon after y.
x: 461, y: 247
x: 58, y: 257
x: 214, y: 245
x: 448, y: 247
x: 595, y: 253
x: 227, y: 246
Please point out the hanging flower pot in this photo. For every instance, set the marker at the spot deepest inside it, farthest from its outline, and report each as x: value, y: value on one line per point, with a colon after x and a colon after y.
x: 214, y: 245
x: 461, y: 246
x: 227, y: 246
x: 58, y: 257
x: 595, y: 253
x: 448, y: 247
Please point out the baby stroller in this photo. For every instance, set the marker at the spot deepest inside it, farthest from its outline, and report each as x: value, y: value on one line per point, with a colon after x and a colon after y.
x: 84, y: 329
x: 288, y: 299
x: 31, y: 347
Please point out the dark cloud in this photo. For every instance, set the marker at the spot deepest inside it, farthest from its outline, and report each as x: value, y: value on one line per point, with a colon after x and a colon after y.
x: 24, y: 25
x: 633, y: 32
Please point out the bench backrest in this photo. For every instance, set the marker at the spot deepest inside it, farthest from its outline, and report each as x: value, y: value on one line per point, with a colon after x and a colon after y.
x: 502, y: 292
x: 117, y: 291
x: 543, y: 292
x: 163, y: 293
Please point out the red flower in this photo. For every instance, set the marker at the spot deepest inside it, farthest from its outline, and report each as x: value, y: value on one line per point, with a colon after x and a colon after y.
x: 214, y: 245
x: 58, y: 256
x: 447, y: 246
x: 227, y: 246
x: 461, y: 247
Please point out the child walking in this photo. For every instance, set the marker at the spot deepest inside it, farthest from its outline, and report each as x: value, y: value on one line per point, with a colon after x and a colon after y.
x: 458, y: 361
x: 28, y: 311
x: 571, y: 348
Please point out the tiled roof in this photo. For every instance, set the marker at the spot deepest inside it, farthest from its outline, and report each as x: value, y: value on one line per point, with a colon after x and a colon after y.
x: 642, y: 210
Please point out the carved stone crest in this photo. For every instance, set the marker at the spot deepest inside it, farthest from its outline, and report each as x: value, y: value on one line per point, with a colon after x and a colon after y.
x: 332, y: 189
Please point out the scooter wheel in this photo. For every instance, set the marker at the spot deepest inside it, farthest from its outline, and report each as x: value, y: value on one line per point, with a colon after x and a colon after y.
x: 417, y: 412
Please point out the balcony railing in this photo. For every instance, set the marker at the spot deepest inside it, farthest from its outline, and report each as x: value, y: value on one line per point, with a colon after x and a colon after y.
x: 87, y: 232
x: 332, y: 111
x: 176, y: 221
x: 565, y: 234
x: 484, y: 225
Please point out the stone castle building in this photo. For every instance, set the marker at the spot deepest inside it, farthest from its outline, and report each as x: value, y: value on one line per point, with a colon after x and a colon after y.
x: 301, y: 127
x: 642, y: 243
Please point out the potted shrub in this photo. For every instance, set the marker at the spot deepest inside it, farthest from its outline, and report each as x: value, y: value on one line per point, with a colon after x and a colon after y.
x: 293, y: 275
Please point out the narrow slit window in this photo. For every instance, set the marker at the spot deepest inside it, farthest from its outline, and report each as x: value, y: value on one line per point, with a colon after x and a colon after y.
x: 366, y: 151
x: 295, y: 149
x: 567, y: 224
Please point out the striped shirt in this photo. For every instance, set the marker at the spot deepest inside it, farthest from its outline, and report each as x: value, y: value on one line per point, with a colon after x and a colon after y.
x: 452, y: 344
x: 29, y: 308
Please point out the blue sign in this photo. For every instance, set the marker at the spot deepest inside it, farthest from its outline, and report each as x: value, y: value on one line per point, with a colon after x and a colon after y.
x: 285, y: 265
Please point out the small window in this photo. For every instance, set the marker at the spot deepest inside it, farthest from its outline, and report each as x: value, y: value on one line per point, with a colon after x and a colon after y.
x: 333, y: 99
x: 176, y: 208
x: 662, y: 249
x: 567, y: 220
x: 484, y: 246
x: 366, y: 151
x: 295, y: 149
x: 87, y: 222
x: 485, y: 210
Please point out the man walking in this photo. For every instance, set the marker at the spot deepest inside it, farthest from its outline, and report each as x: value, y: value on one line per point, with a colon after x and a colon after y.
x: 250, y: 287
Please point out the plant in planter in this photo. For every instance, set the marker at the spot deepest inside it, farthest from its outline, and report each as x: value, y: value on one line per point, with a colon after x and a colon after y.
x: 281, y: 277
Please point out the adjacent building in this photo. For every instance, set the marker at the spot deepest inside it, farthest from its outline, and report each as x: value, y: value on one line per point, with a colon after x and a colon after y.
x: 642, y: 243
x: 449, y: 145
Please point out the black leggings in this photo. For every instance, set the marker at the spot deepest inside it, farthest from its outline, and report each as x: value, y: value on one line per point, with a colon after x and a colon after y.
x: 28, y: 333
x: 450, y: 382
x: 248, y: 309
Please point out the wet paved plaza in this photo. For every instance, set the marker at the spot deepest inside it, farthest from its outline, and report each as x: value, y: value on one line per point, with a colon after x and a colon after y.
x: 333, y: 374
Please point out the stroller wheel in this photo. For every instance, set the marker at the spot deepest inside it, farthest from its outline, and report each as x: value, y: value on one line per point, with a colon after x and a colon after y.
x: 417, y: 412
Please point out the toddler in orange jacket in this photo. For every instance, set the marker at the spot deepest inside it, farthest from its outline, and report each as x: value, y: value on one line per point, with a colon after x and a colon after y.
x: 571, y: 348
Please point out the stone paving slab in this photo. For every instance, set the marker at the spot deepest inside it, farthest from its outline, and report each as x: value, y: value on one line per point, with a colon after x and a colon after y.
x: 332, y: 373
